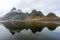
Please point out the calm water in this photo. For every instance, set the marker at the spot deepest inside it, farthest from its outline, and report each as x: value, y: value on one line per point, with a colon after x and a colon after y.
x: 29, y: 31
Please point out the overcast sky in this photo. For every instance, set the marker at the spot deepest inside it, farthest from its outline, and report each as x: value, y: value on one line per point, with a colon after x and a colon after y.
x: 45, y: 6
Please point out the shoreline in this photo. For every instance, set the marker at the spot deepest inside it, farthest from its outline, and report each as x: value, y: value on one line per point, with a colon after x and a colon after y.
x: 56, y: 22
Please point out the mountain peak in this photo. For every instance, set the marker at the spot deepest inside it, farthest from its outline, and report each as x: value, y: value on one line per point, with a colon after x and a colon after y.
x: 13, y: 9
x: 51, y: 14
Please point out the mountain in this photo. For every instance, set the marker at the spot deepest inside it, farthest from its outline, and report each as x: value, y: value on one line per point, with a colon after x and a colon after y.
x: 51, y: 15
x: 36, y: 13
x: 39, y: 13
x: 15, y: 14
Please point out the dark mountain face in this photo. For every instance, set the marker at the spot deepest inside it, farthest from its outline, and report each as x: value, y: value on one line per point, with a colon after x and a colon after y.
x: 33, y: 13
x: 13, y: 9
x: 36, y: 13
x: 51, y: 15
x: 40, y: 13
x: 14, y: 15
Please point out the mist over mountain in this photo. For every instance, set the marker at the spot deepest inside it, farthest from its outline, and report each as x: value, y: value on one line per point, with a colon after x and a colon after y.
x: 15, y: 14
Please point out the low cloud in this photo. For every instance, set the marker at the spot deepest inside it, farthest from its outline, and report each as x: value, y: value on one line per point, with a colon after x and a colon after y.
x: 45, y: 6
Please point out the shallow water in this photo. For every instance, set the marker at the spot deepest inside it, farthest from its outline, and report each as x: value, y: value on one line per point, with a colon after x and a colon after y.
x: 29, y: 31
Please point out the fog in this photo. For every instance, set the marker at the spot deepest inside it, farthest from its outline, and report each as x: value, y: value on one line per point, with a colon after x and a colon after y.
x: 45, y: 6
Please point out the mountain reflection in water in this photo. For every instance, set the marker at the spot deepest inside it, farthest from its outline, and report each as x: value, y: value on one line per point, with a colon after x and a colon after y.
x: 14, y: 27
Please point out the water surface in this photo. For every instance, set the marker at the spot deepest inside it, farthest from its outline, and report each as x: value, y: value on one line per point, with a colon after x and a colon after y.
x: 29, y: 31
